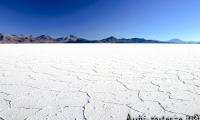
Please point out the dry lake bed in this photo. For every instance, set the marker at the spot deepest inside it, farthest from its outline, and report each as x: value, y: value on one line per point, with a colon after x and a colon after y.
x: 99, y: 81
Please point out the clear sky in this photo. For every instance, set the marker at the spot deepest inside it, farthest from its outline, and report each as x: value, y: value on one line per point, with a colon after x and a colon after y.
x: 98, y: 19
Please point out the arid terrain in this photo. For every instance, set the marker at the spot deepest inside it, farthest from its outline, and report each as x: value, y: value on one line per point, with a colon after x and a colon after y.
x: 98, y: 81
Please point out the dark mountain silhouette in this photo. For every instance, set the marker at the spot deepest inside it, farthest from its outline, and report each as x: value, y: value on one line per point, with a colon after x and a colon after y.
x: 8, y: 38
x: 108, y: 40
x: 124, y: 40
x: 72, y: 39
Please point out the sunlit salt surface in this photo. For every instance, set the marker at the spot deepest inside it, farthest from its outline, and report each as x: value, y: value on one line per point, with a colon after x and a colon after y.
x: 98, y: 81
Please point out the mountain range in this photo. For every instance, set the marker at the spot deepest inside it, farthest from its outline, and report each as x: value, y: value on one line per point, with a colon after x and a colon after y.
x: 178, y: 41
x: 9, y: 38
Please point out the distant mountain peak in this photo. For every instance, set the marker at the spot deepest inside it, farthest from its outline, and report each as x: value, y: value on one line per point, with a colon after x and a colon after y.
x: 44, y: 37
x: 111, y: 37
x: 175, y: 40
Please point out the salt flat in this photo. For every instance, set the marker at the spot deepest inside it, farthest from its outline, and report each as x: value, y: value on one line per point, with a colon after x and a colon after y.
x: 98, y: 81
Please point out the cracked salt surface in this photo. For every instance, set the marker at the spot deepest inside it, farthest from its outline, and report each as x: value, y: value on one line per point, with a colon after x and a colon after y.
x: 98, y: 81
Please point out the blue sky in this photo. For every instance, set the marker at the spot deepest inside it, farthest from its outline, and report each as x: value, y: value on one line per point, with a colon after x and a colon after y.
x: 98, y: 19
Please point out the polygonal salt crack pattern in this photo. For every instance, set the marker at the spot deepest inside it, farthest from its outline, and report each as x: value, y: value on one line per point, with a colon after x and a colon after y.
x: 98, y: 82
